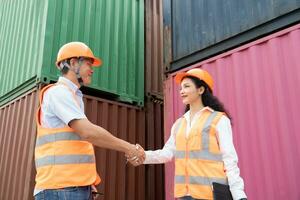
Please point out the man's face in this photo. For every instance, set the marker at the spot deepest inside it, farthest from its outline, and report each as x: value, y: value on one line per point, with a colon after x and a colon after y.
x: 86, y: 71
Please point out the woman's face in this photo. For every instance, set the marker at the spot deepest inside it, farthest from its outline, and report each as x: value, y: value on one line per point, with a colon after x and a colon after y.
x: 188, y: 92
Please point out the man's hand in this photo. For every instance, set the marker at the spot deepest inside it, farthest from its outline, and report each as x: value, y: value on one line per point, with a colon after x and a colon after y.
x: 137, y: 156
x: 95, y: 193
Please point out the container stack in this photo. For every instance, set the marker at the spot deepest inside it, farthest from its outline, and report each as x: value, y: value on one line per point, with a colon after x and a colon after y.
x: 125, y: 97
x: 154, y: 104
x: 251, y: 49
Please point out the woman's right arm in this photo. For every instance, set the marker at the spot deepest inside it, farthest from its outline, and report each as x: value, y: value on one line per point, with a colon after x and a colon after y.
x: 166, y: 154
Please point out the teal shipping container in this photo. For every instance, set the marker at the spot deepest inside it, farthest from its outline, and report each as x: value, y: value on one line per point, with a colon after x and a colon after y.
x: 32, y: 31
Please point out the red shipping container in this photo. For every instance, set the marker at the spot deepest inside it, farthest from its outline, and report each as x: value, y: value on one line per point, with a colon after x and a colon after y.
x: 258, y: 83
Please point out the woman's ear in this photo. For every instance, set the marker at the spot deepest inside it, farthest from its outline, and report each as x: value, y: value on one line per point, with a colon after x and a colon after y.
x: 201, y: 90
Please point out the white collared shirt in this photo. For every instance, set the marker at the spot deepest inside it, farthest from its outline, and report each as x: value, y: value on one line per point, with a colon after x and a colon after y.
x: 227, y: 149
x: 59, y: 106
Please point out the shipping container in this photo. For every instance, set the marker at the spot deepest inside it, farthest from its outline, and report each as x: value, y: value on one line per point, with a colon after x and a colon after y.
x: 154, y: 67
x: 17, y: 141
x: 201, y: 29
x: 22, y: 36
x: 120, y: 181
x: 258, y: 85
x: 32, y: 32
x: 155, y: 188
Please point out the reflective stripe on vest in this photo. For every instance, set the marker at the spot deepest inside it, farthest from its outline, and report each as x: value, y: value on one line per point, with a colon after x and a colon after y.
x: 64, y: 159
x: 48, y: 138
x: 199, y: 180
x: 206, y: 130
x: 198, y: 155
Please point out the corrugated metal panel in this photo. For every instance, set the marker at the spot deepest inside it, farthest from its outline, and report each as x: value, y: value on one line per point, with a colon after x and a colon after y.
x: 199, y: 24
x: 22, y: 36
x: 167, y: 34
x: 169, y: 118
x: 113, y: 29
x: 34, y: 31
x: 128, y: 123
x: 17, y: 137
x: 17, y: 140
x: 154, y: 48
x: 258, y: 84
x: 154, y: 140
x: 154, y: 90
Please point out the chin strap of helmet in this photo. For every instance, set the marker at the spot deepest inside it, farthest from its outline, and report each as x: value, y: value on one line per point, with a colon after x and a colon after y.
x: 76, y: 70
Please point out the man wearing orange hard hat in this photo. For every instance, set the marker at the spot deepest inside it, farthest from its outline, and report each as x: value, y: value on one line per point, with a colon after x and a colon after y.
x: 64, y: 154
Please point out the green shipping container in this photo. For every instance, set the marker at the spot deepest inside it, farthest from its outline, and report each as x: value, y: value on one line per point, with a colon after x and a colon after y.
x: 32, y: 31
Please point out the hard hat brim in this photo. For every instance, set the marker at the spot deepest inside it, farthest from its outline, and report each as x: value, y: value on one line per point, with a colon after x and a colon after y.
x: 97, y: 62
x: 181, y: 75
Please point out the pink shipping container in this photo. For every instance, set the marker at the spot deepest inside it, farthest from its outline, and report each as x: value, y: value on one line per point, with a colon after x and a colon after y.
x: 259, y: 85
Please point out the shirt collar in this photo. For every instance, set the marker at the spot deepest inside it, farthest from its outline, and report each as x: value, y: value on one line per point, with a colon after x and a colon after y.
x: 187, y: 114
x: 71, y: 85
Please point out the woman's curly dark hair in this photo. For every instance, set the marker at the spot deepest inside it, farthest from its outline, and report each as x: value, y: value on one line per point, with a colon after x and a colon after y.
x: 208, y: 98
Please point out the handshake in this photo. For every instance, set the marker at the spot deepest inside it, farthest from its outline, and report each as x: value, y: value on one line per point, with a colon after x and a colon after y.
x: 136, y: 155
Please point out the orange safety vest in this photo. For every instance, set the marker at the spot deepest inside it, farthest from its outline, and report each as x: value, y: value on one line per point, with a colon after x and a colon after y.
x: 62, y: 158
x: 198, y: 160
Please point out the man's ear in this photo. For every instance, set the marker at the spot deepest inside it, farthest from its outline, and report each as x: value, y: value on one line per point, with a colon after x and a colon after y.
x: 73, y: 62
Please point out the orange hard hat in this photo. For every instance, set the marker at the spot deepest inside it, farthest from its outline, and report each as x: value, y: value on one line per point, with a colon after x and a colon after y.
x: 197, y: 73
x: 75, y: 50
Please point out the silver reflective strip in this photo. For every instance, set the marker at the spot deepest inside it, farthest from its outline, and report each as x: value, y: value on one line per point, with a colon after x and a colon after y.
x: 199, y: 180
x: 179, y: 179
x: 179, y: 154
x: 56, y: 137
x: 205, y: 155
x: 205, y: 180
x: 64, y: 159
x: 206, y: 130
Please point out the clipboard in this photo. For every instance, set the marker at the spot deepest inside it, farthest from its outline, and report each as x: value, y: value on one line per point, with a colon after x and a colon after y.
x: 221, y: 191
